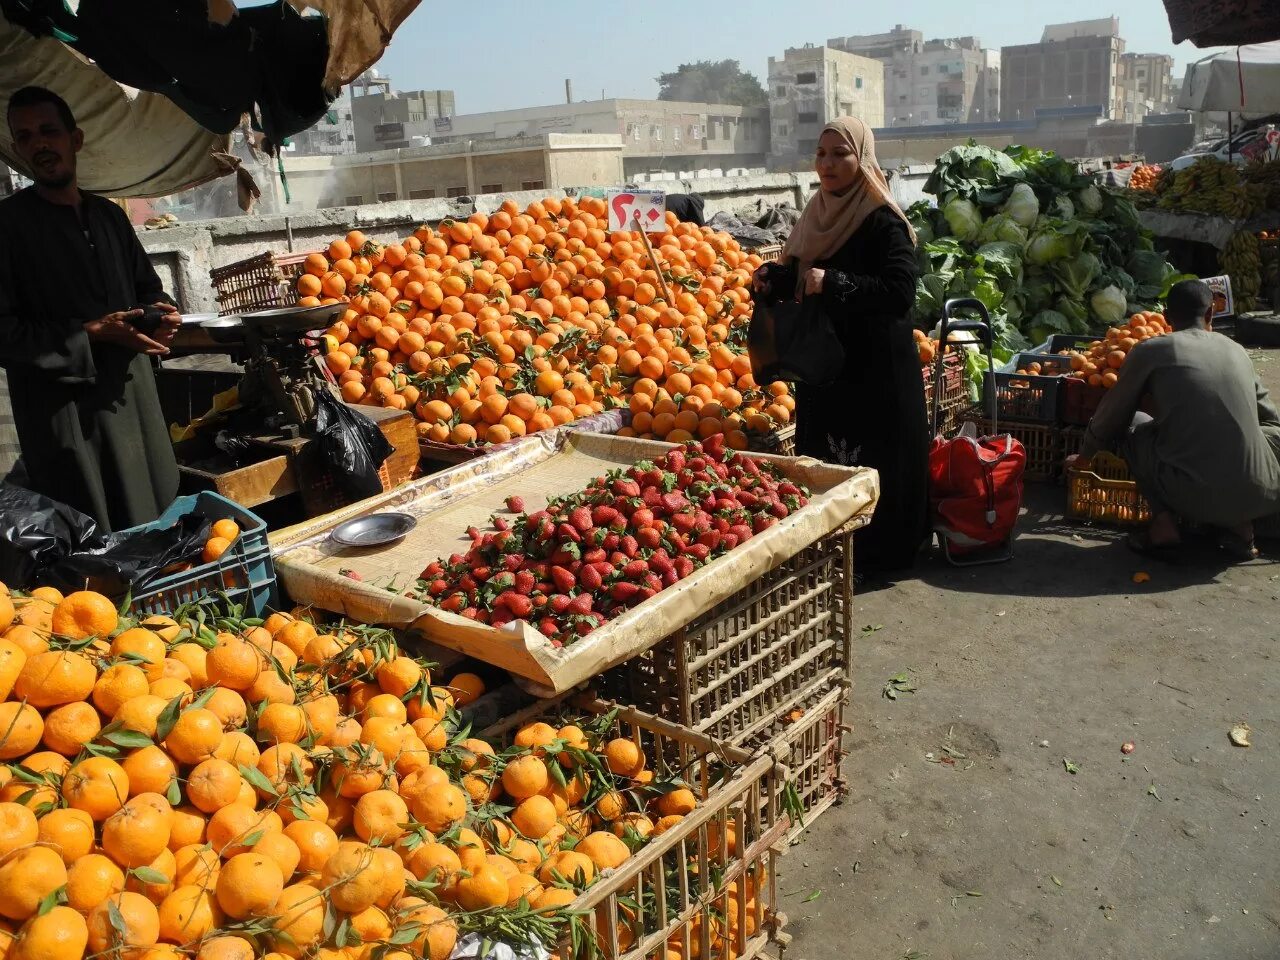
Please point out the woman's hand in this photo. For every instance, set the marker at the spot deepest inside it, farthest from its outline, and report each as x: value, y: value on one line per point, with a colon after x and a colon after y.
x: 760, y: 279
x: 813, y: 278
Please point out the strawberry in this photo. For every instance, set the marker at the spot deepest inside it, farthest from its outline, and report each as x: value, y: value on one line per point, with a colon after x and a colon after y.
x: 652, y: 497
x: 625, y: 488
x: 549, y: 628
x: 524, y: 582
x: 471, y: 613
x: 580, y: 517
x: 500, y: 523
x: 729, y: 541
x: 673, y: 502
x: 642, y: 518
x: 581, y: 604
x: 763, y: 522
x: 604, y: 515
x: 559, y: 603
x: 518, y: 606
x: 684, y: 566
x: 710, y: 539
x: 699, y: 551
x: 595, y: 556
x: 564, y: 580
x: 684, y: 522
x: 635, y: 569
x: 629, y: 546
x: 515, y: 504
x: 742, y: 532
x: 649, y: 537
x: 624, y: 592
x: 591, y: 580
x: 611, y: 542
x: 453, y: 603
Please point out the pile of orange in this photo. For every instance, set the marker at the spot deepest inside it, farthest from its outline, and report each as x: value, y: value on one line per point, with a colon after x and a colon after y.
x: 276, y: 790
x: 501, y: 325
x: 927, y: 348
x: 1100, y: 365
x: 222, y: 534
x: 1144, y: 177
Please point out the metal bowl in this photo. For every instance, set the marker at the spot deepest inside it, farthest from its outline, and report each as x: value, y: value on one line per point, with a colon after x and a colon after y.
x: 224, y: 329
x: 375, y: 530
x: 196, y: 318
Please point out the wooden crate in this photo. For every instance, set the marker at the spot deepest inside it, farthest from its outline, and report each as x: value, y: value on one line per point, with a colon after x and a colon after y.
x: 736, y: 669
x: 257, y: 283
x: 781, y: 441
x: 675, y: 892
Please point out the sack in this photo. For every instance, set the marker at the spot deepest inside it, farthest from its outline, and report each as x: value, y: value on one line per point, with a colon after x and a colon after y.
x: 975, y: 489
x: 795, y: 342
x: 43, y: 542
x: 351, y: 444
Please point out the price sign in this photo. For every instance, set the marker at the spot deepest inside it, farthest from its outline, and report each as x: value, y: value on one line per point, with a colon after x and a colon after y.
x: 649, y: 205
x: 1223, y: 301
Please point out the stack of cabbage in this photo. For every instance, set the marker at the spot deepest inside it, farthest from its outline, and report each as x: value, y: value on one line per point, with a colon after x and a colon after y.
x: 1041, y: 245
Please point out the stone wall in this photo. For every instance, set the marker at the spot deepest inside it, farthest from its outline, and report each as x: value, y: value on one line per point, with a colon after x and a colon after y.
x: 183, y: 255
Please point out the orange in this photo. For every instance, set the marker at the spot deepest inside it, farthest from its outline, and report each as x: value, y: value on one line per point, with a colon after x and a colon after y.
x: 439, y: 808
x: 466, y: 688
x: 278, y: 848
x: 624, y: 757
x: 212, y: 785
x: 282, y: 723
x: 69, y: 831
x: 229, y: 948
x: 91, y: 880
x: 605, y: 850
x: 84, y: 614
x: 68, y: 728
x: 97, y: 785
x: 27, y: 876
x: 351, y: 877
x: 117, y: 685
x: 301, y: 913
x: 140, y: 714
x: 60, y: 934
x: 135, y: 835
x: 142, y: 648
x: 17, y: 827
x: 21, y: 727
x: 534, y: 817
x: 141, y: 923
x: 53, y: 678
x: 316, y: 842
x: 486, y: 887
x: 233, y: 663
x: 12, y: 659
x: 679, y: 802
x: 187, y: 915
x: 195, y: 736
x: 249, y: 884
x: 525, y: 777
x: 380, y: 816
x: 195, y: 863
x: 438, y: 933
x: 237, y: 822
x: 567, y: 866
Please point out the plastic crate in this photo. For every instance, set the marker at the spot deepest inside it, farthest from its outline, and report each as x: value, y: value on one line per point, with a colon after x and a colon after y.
x: 675, y: 892
x: 1071, y: 440
x: 1034, y: 398
x: 1106, y: 493
x: 245, y: 573
x: 1041, y: 441
x: 257, y: 283
x: 954, y: 390
x: 735, y: 670
x: 809, y: 742
x: 1080, y: 401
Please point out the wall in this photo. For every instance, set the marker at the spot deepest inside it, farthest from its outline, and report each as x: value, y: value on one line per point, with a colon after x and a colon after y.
x: 1075, y: 72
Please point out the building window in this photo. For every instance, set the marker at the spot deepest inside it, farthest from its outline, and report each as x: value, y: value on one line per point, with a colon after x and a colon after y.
x: 806, y: 78
x: 635, y: 132
x: 781, y: 92
x: 456, y: 192
x: 490, y: 188
x: 355, y: 201
x: 807, y: 117
x: 902, y: 98
x: 782, y: 129
x: 386, y: 197
x: 695, y: 132
x: 675, y: 134
x: 924, y: 114
x: 532, y: 185
x: 857, y: 83
x: 656, y: 133
x: 422, y: 194
x: 924, y: 71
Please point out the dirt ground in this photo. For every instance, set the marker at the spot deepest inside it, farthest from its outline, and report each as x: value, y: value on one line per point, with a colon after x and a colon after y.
x: 1043, y: 839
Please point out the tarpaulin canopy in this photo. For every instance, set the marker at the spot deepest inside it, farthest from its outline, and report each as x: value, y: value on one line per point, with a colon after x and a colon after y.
x: 1220, y: 23
x: 134, y: 147
x: 202, y: 65
x: 1243, y: 80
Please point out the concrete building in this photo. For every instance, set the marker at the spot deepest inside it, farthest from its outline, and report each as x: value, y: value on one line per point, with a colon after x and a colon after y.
x: 386, y: 120
x: 808, y: 86
x: 1147, y: 82
x: 931, y: 81
x: 545, y: 162
x: 657, y: 135
x: 1073, y: 65
x: 334, y: 134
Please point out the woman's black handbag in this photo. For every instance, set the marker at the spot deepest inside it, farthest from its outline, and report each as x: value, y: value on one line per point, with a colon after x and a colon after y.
x: 795, y: 342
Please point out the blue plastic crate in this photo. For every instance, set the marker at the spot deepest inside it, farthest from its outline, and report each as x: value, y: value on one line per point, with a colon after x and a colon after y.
x: 245, y: 573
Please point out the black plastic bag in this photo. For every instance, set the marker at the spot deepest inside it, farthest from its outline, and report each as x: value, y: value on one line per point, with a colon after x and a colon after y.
x: 351, y: 444
x: 795, y: 342
x: 43, y: 542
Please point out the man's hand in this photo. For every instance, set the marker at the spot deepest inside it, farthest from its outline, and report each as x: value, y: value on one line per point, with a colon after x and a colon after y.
x: 115, y: 328
x: 813, y: 278
x: 1078, y: 461
x: 170, y: 323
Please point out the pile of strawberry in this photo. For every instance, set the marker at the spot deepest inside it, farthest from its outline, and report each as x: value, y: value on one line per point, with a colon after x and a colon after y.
x: 589, y: 556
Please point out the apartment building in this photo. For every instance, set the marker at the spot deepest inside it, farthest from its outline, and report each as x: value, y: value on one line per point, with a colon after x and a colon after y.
x: 657, y: 135
x: 1147, y: 82
x: 333, y: 135
x: 385, y: 119
x: 930, y: 82
x: 1073, y: 65
x: 810, y: 85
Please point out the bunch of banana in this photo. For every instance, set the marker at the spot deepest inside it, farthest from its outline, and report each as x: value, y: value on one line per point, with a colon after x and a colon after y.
x: 1210, y: 187
x: 1242, y: 261
x: 1267, y: 176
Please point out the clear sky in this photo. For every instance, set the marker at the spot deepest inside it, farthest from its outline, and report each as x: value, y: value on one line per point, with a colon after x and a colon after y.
x: 515, y: 53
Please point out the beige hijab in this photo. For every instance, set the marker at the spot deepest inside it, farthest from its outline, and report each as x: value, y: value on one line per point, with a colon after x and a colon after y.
x: 829, y: 220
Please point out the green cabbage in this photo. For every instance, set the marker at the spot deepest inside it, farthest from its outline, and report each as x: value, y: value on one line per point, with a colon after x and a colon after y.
x: 1109, y: 305
x: 1002, y: 228
x: 1063, y: 208
x: 1022, y: 205
x: 1054, y: 240
x: 1045, y: 324
x: 1089, y: 200
x: 1075, y: 276
x: 1075, y: 311
x: 963, y: 217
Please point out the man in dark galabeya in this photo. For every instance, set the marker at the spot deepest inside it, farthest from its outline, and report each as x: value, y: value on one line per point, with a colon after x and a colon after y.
x: 72, y: 274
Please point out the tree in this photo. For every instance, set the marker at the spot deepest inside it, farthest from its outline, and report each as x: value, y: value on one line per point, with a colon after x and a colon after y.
x: 722, y: 81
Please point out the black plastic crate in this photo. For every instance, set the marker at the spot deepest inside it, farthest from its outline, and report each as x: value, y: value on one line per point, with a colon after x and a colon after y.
x: 1029, y: 397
